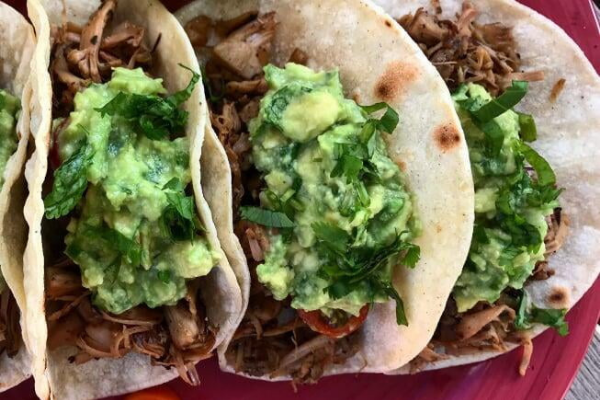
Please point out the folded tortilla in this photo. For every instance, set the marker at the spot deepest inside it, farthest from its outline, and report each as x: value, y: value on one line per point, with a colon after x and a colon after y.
x: 17, y: 38
x: 55, y: 376
x: 568, y: 137
x: 377, y: 62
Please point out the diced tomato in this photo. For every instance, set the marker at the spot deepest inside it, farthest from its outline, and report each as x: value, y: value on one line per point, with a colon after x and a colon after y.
x: 155, y: 393
x: 318, y: 322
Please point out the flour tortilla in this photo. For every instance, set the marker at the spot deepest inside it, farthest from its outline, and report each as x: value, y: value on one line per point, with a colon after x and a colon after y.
x: 377, y: 62
x: 17, y: 44
x: 568, y: 137
x: 54, y: 375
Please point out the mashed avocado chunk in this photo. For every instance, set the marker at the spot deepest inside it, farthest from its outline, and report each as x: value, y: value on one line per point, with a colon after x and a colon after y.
x: 344, y: 214
x: 136, y: 236
x: 9, y: 109
x: 511, y: 202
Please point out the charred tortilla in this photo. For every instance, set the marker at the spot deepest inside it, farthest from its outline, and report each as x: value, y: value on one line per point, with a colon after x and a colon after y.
x: 84, y: 347
x: 493, y: 43
x: 428, y: 147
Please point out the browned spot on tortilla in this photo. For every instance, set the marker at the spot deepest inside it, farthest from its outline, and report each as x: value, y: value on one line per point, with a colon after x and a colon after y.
x: 447, y: 137
x: 388, y: 23
x: 559, y: 297
x: 401, y: 164
x: 397, y: 76
x: 438, y: 228
x: 557, y: 89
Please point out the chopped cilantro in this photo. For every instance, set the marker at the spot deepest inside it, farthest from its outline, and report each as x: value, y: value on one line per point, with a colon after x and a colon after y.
x: 128, y: 249
x: 348, y: 267
x: 528, y: 314
x: 389, y: 120
x: 527, y: 127
x: 268, y: 218
x: 155, y: 116
x: 507, y: 100
x: 545, y: 174
x: 401, y: 318
x: 70, y: 183
x: 179, y: 218
x: 273, y: 114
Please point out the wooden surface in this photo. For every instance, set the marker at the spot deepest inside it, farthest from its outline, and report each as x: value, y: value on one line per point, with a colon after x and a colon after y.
x: 587, y: 383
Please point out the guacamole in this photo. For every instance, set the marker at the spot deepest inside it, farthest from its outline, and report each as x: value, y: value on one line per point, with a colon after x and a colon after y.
x: 122, y: 236
x: 511, y: 202
x: 9, y: 110
x: 340, y: 203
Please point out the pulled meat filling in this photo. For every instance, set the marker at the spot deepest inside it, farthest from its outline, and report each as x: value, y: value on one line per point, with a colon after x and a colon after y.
x: 464, y: 51
x: 10, y: 331
x: 272, y: 339
x: 82, y: 55
x: 173, y: 336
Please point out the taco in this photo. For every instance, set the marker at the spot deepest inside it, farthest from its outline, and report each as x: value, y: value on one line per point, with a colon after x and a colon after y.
x: 16, y: 36
x: 524, y: 93
x: 127, y: 284
x: 344, y: 215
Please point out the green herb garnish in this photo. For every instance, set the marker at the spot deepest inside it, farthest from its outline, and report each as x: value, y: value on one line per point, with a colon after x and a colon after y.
x: 350, y: 268
x: 545, y: 174
x: 268, y: 218
x: 507, y: 100
x: 389, y: 120
x: 70, y: 182
x: 154, y: 116
x: 179, y: 218
x: 529, y: 314
x: 527, y: 127
x: 128, y: 249
x: 353, y: 158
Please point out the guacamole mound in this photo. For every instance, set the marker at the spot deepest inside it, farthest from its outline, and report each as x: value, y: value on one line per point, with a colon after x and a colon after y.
x: 9, y: 110
x: 304, y: 129
x: 508, y: 201
x: 126, y: 255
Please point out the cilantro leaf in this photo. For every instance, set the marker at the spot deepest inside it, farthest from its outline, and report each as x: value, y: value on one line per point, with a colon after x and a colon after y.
x: 388, y: 121
x: 527, y: 127
x: 350, y: 268
x: 332, y: 236
x: 273, y: 113
x: 401, y: 318
x: 494, y: 137
x: 178, y: 98
x: 211, y: 94
x: 348, y: 165
x: 128, y: 249
x: 268, y: 218
x: 507, y: 100
x: 412, y: 255
x: 551, y: 317
x: 544, y: 171
x: 70, y: 183
x: 529, y: 314
x: 155, y: 116
x: 179, y: 218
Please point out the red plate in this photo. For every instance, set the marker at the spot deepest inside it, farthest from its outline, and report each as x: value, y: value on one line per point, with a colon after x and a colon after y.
x: 553, y: 366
